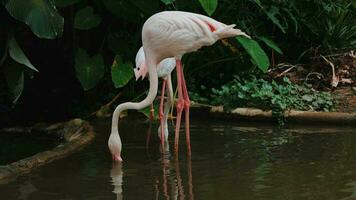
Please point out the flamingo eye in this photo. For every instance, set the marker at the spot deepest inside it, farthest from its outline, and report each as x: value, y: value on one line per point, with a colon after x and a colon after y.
x: 138, y: 68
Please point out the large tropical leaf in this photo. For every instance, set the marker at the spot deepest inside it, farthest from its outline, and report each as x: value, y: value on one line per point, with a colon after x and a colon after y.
x: 40, y: 15
x: 86, y: 19
x: 18, y: 55
x: 121, y: 72
x: 255, y: 51
x: 209, y: 6
x: 89, y: 70
x: 272, y: 14
x: 14, y: 75
x: 271, y: 44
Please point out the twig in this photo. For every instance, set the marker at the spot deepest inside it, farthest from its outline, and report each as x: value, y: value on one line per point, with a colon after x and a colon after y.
x: 114, y: 99
x: 331, y: 55
x: 313, y: 73
x: 334, y: 79
x: 352, y: 54
x: 106, y: 105
x: 283, y: 65
x: 285, y: 71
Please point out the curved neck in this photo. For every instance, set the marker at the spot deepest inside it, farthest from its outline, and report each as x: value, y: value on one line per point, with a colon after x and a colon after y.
x: 152, y: 70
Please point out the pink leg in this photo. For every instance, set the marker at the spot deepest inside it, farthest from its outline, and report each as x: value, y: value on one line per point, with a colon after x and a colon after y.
x: 161, y: 115
x: 152, y: 113
x: 186, y: 110
x: 180, y: 103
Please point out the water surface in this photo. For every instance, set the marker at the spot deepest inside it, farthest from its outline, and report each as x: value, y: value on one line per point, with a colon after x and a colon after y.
x: 229, y: 161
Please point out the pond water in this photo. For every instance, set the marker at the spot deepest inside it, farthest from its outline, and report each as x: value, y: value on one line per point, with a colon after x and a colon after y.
x: 15, y: 146
x: 229, y: 161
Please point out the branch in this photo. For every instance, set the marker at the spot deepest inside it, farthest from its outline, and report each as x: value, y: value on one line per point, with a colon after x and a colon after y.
x: 334, y: 80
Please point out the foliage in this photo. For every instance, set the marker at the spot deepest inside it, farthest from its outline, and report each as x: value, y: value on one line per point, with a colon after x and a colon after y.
x: 89, y: 70
x: 111, y: 31
x: 167, y: 2
x: 256, y: 52
x: 253, y: 92
x: 18, y: 55
x: 44, y: 21
x: 121, y: 73
x: 14, y: 75
x: 209, y: 5
x: 40, y: 15
x: 85, y: 19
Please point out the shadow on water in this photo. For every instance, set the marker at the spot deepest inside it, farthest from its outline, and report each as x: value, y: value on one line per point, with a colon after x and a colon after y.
x: 229, y: 161
x: 16, y: 146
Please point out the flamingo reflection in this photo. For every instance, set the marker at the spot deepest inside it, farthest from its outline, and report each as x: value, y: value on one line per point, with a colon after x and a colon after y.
x: 176, y: 182
x: 171, y: 184
x: 116, y: 175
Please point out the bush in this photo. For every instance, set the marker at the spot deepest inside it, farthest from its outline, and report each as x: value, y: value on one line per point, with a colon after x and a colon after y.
x: 259, y: 93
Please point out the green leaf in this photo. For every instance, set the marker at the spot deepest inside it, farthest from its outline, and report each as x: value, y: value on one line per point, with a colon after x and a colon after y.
x: 166, y: 2
x: 89, y: 71
x: 14, y: 75
x: 121, y: 73
x: 209, y: 6
x: 307, y: 98
x: 258, y: 2
x: 272, y: 13
x: 18, y: 55
x: 271, y: 44
x: 256, y: 52
x: 40, y: 15
x: 65, y: 3
x: 85, y: 19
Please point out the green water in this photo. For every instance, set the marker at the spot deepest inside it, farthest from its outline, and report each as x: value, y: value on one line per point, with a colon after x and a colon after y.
x: 229, y: 161
x: 15, y: 146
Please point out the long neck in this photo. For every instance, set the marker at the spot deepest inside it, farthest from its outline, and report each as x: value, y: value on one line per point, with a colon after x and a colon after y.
x: 152, y: 70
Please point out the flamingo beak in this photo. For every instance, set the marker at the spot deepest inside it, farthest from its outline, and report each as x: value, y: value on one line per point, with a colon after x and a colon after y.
x: 137, y: 74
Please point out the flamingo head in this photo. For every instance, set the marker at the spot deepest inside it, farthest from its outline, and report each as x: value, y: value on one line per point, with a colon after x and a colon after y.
x: 141, y: 68
x: 140, y: 71
x: 115, y: 146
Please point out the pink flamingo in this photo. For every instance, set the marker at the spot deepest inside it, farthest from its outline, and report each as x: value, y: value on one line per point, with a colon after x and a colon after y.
x: 164, y: 70
x: 171, y: 34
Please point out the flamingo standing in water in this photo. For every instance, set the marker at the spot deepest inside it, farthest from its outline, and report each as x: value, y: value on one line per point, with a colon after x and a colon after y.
x: 171, y: 34
x: 164, y: 70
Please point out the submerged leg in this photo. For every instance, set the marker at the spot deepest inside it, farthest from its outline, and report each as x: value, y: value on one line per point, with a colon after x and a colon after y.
x: 186, y: 110
x: 161, y: 115
x: 167, y: 107
x: 180, y: 104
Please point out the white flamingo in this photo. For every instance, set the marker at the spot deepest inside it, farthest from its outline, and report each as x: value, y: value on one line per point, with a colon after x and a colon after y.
x: 164, y: 70
x: 164, y: 35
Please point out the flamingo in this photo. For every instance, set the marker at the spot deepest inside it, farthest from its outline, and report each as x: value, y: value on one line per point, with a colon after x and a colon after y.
x: 164, y: 70
x: 171, y: 34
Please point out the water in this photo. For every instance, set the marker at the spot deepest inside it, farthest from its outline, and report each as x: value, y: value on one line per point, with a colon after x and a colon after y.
x: 229, y: 161
x: 15, y: 146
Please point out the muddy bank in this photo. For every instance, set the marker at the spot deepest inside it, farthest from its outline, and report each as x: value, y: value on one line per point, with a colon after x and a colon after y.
x: 75, y: 134
x: 292, y: 116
